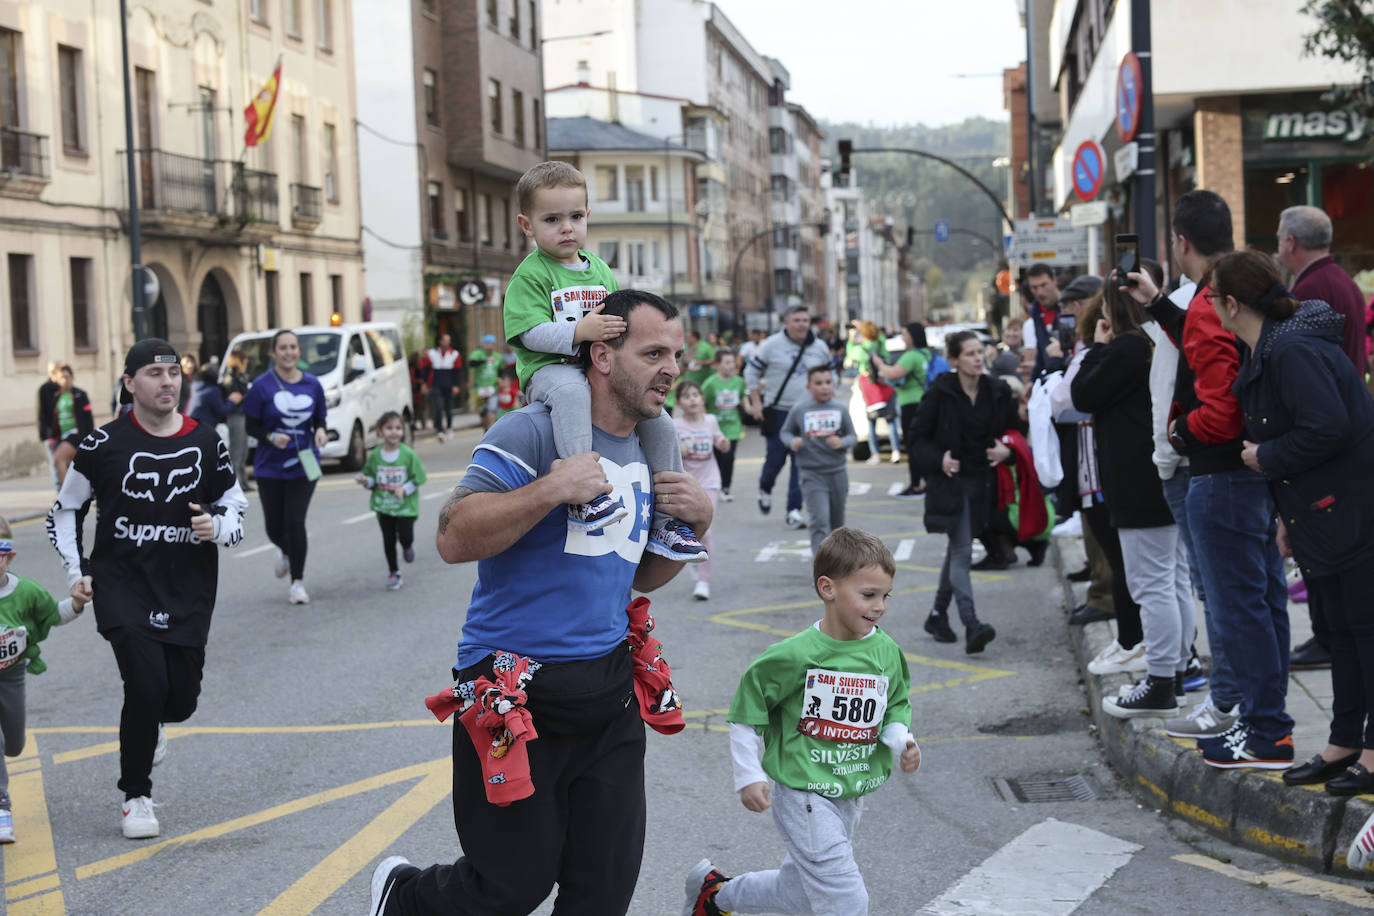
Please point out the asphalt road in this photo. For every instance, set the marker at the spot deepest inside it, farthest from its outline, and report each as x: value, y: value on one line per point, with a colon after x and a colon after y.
x: 312, y: 754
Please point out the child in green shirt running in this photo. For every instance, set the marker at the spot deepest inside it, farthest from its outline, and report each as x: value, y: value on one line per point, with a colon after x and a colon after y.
x: 393, y: 473
x: 724, y: 392
x: 552, y: 307
x: 822, y: 701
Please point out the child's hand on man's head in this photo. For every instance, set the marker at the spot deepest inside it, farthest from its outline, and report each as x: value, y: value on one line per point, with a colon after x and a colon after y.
x: 595, y: 326
x: 911, y: 757
x: 755, y: 797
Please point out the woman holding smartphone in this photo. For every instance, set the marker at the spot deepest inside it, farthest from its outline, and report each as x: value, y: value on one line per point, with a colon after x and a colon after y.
x: 285, y: 411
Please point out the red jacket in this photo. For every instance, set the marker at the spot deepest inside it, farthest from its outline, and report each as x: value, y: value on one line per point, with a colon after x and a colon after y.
x: 1323, y: 279
x: 1207, y: 415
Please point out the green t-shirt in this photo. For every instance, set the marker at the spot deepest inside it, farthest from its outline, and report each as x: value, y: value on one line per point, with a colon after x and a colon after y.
x: 543, y: 290
x: 703, y: 355
x: 404, y: 469
x: 820, y: 704
x: 27, y: 613
x: 723, y: 398
x: 912, y: 386
x: 485, y: 368
x: 66, y: 413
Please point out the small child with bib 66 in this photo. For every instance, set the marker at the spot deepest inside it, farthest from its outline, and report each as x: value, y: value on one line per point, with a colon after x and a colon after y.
x: 823, y: 702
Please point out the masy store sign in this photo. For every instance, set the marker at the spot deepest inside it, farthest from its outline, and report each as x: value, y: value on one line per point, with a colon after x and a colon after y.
x: 1346, y: 126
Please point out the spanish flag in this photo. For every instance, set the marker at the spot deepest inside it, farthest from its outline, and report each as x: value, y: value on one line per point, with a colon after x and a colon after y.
x: 259, y: 112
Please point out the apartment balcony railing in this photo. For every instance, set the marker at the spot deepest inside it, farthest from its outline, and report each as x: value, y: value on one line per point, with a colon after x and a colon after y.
x: 23, y: 162
x: 307, y: 206
x: 256, y: 198
x: 176, y: 184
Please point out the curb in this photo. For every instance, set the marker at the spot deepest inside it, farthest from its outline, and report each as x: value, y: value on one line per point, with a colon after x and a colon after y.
x: 1249, y: 808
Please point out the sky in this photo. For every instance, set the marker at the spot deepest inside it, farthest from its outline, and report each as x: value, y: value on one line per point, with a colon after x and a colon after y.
x: 888, y: 61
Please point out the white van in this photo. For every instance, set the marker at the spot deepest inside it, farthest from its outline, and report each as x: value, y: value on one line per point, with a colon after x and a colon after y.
x: 363, y: 370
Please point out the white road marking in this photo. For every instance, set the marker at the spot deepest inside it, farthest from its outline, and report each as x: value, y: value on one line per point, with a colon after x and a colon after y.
x: 244, y: 554
x: 903, y: 551
x: 896, y: 488
x: 775, y: 550
x: 358, y: 518
x: 859, y: 487
x: 439, y: 495
x: 1047, y: 871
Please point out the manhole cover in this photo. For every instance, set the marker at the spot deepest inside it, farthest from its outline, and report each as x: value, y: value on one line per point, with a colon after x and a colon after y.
x: 1072, y: 788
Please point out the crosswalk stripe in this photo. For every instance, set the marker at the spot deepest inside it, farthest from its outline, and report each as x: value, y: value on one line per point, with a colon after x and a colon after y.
x: 896, y: 488
x: 1047, y: 871
x: 859, y: 487
x: 904, y: 548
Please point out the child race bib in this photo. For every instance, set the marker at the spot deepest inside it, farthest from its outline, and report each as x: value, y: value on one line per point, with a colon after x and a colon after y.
x: 839, y: 706
x: 727, y: 399
x: 391, y: 475
x: 699, y: 446
x: 13, y: 642
x: 572, y: 302
x: 818, y: 424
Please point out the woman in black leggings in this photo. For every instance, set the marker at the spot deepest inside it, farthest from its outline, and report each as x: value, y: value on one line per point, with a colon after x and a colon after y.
x: 285, y: 411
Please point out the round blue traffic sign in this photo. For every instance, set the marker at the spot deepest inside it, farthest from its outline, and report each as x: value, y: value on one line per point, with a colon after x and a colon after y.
x: 1128, y: 97
x: 1087, y: 170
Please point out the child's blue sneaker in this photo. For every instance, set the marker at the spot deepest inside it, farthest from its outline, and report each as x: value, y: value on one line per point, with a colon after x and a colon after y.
x: 676, y: 541
x: 598, y: 513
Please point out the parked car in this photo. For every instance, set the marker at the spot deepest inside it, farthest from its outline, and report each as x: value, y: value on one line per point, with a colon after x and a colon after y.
x: 363, y: 370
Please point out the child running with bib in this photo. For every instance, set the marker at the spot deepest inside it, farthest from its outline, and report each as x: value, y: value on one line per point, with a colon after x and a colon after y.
x: 552, y: 306
x: 393, y: 473
x: 700, y: 439
x: 724, y: 392
x: 27, y: 613
x: 822, y: 701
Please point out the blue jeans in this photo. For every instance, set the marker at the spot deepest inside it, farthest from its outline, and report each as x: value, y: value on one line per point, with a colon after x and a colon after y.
x: 1225, y: 692
x: 1231, y: 519
x: 773, y: 459
x: 893, y: 437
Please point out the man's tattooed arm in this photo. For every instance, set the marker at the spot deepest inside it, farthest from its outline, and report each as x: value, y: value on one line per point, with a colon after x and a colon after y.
x: 453, y: 499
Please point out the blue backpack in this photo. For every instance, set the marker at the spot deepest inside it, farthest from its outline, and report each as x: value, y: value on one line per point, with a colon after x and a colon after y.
x: 938, y: 365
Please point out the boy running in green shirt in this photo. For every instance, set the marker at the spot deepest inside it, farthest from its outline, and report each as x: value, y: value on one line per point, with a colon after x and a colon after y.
x: 724, y: 392
x: 485, y: 364
x: 553, y: 306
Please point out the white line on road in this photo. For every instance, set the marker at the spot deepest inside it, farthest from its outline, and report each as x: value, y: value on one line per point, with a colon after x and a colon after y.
x: 903, y: 551
x: 429, y: 496
x: 782, y: 549
x: 859, y: 487
x: 358, y: 518
x: 1047, y: 871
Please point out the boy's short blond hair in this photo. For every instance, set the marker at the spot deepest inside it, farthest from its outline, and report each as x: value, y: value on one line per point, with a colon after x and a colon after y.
x: 845, y: 551
x: 551, y: 174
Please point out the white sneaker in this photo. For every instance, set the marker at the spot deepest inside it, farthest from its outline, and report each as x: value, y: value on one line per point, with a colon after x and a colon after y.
x: 297, y: 595
x: 283, y: 565
x: 140, y: 823
x: 160, y: 751
x: 383, y: 879
x: 725, y: 496
x: 896, y: 458
x: 795, y: 519
x: 874, y: 459
x: 1070, y: 527
x: 1206, y: 720
x: 702, y: 592
x: 1116, y: 660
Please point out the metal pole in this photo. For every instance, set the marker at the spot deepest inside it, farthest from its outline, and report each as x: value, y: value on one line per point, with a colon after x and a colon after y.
x: 996, y: 201
x: 136, y: 255
x: 668, y: 200
x: 1030, y: 106
x: 1144, y: 196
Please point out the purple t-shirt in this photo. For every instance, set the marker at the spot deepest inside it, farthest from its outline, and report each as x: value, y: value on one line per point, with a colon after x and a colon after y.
x: 284, y: 407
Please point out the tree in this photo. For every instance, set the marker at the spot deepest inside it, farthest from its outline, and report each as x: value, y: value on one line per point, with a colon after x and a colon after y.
x: 1345, y: 32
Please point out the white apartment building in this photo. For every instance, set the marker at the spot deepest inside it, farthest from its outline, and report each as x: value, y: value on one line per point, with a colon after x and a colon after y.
x: 860, y: 249
x: 236, y: 241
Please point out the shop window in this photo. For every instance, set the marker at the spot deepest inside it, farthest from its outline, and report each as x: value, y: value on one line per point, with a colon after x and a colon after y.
x: 1268, y: 192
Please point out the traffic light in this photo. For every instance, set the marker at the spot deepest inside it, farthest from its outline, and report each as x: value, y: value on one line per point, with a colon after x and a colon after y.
x: 846, y: 147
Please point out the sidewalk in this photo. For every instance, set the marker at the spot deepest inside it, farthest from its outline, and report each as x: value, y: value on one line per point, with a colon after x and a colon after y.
x: 1251, y: 808
x: 26, y: 498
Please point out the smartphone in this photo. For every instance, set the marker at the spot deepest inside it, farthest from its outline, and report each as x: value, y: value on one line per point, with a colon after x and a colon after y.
x: 1127, y: 257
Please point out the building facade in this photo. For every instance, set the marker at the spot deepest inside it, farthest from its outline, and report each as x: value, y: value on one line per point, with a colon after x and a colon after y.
x: 238, y: 239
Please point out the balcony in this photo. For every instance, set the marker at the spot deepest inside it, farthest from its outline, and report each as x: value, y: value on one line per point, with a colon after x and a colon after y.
x: 256, y: 202
x: 23, y: 163
x: 210, y: 199
x: 307, y: 206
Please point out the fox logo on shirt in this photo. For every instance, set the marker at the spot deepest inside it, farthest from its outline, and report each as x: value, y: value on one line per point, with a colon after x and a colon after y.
x: 159, y: 478
x: 92, y: 442
x: 159, y: 619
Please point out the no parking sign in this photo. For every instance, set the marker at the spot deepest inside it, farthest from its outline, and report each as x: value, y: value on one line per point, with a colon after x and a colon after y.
x: 1128, y: 98
x: 1087, y: 170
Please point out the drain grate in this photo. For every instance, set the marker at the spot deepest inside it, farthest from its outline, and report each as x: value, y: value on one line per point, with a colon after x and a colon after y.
x: 1031, y: 791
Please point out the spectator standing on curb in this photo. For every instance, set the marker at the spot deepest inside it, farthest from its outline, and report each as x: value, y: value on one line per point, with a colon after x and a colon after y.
x: 166, y: 497
x: 234, y: 379
x: 779, y: 368
x: 445, y: 363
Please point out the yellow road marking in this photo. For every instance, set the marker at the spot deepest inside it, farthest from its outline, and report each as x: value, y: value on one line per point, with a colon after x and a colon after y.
x: 34, y: 856
x: 224, y: 828
x: 46, y: 905
x: 25, y: 888
x: 1286, y: 881
x: 334, y: 871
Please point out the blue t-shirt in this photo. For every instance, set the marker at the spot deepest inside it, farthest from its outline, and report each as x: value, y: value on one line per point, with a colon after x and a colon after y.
x: 556, y: 594
x: 284, y: 407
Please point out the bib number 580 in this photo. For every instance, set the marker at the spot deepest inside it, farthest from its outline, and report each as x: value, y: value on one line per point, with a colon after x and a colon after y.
x: 854, y: 709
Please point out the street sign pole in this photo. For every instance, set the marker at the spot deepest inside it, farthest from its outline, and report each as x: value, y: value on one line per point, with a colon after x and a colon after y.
x: 136, y: 256
x: 1144, y: 197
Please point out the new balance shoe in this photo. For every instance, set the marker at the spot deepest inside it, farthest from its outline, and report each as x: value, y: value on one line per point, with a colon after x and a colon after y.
x: 1205, y: 721
x: 1153, y: 696
x: 676, y: 541
x: 765, y: 502
x: 703, y: 882
x: 160, y: 749
x: 138, y: 820
x: 795, y: 519
x: 283, y: 565
x: 937, y: 625
x: 297, y: 594
x: 598, y: 513
x: 1361, y: 852
x: 6, y: 826
x: 702, y: 590
x: 384, y: 878
x: 394, y: 582
x: 1250, y: 752
x: 1118, y: 660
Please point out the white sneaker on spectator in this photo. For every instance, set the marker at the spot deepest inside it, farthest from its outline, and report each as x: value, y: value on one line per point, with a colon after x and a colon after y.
x: 873, y: 459
x: 1070, y: 527
x: 1118, y: 660
x: 1206, y: 720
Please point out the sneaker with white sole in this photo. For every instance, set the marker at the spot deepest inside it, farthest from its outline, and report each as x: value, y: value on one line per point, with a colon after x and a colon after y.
x: 384, y: 879
x: 160, y: 749
x: 873, y: 459
x: 297, y: 594
x: 765, y: 502
x: 1205, y: 721
x: 676, y: 541
x: 1070, y: 527
x: 795, y: 519
x: 1361, y: 852
x: 1118, y: 660
x: 702, y: 591
x: 597, y: 513
x: 725, y: 496
x: 6, y: 826
x: 283, y: 565
x: 139, y: 821
x: 1153, y: 696
x: 703, y: 882
x: 394, y: 582
x: 896, y: 458
x: 1249, y: 751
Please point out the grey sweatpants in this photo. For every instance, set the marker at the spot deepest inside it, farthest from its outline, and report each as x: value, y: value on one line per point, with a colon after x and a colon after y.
x: 564, y: 390
x: 824, y: 493
x: 11, y: 720
x: 818, y: 875
x: 1156, y: 562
